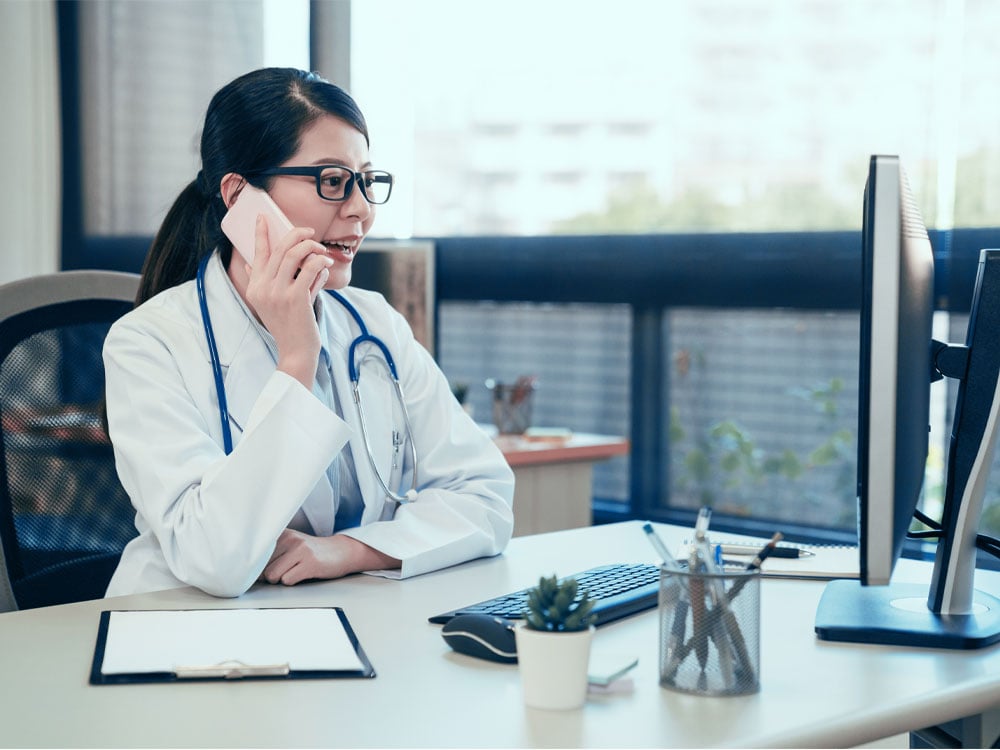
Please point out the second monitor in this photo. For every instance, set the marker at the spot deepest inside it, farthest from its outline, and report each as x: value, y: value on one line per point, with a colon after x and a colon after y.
x: 898, y: 362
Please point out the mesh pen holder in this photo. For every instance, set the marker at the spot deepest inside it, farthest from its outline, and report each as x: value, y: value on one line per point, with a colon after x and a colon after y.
x: 512, y: 405
x: 710, y: 631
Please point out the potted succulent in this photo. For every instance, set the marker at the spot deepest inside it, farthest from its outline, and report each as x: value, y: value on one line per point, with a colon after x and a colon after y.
x: 553, y: 645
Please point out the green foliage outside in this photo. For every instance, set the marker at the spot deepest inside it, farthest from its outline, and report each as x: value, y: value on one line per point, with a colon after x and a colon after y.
x: 722, y: 465
x: 787, y: 207
x: 640, y: 210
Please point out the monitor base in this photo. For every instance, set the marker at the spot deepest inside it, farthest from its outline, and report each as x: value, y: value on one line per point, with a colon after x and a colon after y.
x: 892, y: 615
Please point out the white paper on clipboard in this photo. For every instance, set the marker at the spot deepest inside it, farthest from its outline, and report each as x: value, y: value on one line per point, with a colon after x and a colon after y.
x: 164, y: 641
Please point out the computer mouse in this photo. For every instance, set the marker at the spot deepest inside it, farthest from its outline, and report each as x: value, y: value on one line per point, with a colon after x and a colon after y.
x: 482, y: 636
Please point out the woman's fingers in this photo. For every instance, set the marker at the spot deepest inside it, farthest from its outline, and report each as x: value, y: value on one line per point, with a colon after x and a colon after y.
x: 288, y: 252
x: 319, y: 282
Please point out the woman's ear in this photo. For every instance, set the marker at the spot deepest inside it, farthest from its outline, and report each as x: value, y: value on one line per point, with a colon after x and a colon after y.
x: 230, y: 187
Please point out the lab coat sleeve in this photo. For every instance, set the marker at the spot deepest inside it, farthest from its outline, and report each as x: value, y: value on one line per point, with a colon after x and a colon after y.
x: 464, y: 503
x: 216, y: 517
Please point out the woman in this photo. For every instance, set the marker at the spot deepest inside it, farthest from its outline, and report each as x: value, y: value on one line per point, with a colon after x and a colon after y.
x: 297, y: 497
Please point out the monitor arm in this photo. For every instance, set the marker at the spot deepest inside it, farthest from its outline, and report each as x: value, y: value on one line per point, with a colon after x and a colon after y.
x: 948, y: 361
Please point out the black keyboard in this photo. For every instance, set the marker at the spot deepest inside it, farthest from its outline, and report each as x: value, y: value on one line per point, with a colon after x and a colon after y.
x: 616, y: 590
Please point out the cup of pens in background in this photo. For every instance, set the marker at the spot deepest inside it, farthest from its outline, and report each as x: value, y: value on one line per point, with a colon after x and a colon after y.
x: 512, y: 404
x: 710, y: 630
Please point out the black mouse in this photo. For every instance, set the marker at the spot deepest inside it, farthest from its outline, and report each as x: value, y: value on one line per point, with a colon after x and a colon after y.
x: 482, y: 636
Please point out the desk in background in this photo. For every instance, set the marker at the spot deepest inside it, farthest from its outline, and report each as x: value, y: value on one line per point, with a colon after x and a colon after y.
x: 553, y: 477
x: 813, y: 693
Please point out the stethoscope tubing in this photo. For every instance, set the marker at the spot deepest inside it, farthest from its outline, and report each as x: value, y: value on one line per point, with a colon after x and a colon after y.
x: 353, y: 371
x: 213, y: 353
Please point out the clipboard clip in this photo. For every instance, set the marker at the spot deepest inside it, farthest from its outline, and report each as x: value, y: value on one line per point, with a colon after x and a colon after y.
x: 232, y: 669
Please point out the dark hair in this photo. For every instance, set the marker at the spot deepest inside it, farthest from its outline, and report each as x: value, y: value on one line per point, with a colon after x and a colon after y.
x: 253, y: 123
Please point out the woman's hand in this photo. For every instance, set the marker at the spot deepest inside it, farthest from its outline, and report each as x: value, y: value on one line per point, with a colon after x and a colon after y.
x: 282, y: 289
x: 300, y: 557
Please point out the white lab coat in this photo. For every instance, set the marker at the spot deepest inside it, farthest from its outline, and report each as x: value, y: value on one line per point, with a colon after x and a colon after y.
x: 210, y: 520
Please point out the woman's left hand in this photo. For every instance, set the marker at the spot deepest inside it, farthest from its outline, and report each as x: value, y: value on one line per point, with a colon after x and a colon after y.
x: 301, y: 557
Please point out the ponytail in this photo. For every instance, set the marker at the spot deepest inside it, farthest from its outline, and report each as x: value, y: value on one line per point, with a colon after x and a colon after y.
x: 189, y: 232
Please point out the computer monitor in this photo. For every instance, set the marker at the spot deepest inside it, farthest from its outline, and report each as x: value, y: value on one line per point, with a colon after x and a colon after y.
x: 898, y: 361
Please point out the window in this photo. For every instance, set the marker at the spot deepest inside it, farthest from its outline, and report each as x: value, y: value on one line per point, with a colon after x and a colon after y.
x: 615, y: 135
x: 701, y: 116
x: 733, y: 104
x: 146, y: 72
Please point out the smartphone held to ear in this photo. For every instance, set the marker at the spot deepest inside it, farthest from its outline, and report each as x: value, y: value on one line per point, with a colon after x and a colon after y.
x: 240, y: 222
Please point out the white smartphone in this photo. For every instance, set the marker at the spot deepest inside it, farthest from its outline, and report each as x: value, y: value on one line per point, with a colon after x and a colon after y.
x: 240, y: 221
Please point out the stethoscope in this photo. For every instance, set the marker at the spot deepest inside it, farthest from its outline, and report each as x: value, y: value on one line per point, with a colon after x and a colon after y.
x: 354, y: 371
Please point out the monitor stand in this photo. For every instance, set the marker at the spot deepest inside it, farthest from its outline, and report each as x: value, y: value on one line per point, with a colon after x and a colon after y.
x: 897, y: 615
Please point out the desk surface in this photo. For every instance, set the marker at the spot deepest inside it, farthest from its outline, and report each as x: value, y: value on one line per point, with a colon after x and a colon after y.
x: 812, y: 693
x: 578, y: 446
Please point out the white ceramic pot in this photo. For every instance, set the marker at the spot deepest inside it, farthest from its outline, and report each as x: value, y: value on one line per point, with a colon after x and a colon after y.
x: 553, y: 667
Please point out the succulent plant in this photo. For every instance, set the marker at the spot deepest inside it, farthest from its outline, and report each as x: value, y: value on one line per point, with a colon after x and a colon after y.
x: 558, y: 607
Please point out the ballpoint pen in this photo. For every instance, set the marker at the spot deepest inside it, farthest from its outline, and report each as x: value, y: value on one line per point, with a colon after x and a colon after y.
x: 722, y: 620
x: 755, y: 564
x: 698, y: 610
x: 748, y: 549
x: 673, y: 655
x: 679, y: 627
x: 660, y: 547
x: 766, y: 551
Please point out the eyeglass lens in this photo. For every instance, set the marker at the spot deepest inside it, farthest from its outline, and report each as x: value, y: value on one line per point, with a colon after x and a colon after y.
x: 336, y: 182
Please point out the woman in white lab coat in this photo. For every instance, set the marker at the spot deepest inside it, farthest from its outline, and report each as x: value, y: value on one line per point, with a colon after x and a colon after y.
x: 296, y: 498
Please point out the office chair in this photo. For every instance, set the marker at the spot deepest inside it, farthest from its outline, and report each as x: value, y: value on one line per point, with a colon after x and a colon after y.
x: 64, y: 516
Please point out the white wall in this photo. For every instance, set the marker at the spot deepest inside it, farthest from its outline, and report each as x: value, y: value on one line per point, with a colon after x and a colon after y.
x: 29, y: 139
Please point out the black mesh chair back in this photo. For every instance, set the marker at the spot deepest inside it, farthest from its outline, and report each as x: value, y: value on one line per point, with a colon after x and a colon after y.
x: 64, y: 516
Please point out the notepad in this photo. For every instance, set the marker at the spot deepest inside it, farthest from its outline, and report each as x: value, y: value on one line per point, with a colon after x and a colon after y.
x: 826, y: 563
x: 137, y: 646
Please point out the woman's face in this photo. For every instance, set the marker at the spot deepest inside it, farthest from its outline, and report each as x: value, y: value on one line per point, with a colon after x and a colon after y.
x: 339, y: 226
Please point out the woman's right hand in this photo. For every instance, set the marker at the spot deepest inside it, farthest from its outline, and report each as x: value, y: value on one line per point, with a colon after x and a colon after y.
x: 282, y: 289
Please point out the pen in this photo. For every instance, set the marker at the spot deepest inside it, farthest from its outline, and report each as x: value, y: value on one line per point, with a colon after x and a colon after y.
x: 701, y: 524
x: 723, y: 623
x: 676, y: 640
x: 698, y: 610
x: 675, y: 652
x: 660, y: 547
x: 755, y: 564
x: 746, y: 549
x: 766, y: 551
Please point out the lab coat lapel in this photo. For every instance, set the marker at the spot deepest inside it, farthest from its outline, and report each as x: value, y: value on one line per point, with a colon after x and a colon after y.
x: 244, y: 381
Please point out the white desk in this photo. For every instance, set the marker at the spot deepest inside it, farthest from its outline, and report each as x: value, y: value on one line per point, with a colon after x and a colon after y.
x: 813, y: 693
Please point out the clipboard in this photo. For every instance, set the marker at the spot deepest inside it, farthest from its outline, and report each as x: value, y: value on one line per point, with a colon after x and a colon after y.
x: 194, y: 645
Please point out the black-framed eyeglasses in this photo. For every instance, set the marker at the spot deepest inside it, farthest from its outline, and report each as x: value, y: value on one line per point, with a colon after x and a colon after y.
x: 334, y: 183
